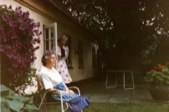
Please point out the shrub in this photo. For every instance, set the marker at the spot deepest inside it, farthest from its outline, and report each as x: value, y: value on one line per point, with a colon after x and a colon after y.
x: 19, y: 39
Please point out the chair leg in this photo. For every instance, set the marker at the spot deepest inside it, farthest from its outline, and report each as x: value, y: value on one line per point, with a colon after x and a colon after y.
x: 67, y: 107
x: 124, y: 79
x: 110, y: 86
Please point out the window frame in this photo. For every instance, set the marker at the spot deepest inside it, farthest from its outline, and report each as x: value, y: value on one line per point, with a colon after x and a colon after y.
x: 50, y: 35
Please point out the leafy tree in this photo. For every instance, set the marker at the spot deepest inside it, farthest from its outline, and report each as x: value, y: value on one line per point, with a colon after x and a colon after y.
x: 130, y: 31
x: 90, y: 14
x: 155, y: 28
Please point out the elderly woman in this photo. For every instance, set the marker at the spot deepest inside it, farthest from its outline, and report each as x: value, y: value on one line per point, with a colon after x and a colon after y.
x: 52, y: 80
x: 62, y: 54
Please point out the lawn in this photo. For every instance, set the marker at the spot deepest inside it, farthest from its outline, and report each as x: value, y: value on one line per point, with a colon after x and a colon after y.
x: 107, y: 107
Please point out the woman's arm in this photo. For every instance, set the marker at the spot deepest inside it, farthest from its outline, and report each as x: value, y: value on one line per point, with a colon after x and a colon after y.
x: 66, y: 53
x: 53, y: 91
x: 68, y: 90
x: 58, y: 91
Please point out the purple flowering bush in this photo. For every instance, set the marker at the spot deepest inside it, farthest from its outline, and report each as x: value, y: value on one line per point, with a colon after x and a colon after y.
x: 19, y: 39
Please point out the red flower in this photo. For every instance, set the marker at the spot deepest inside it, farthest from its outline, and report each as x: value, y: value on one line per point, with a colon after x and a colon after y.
x: 160, y: 67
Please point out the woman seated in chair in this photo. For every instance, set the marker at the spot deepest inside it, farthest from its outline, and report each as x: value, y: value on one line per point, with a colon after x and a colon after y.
x: 52, y: 80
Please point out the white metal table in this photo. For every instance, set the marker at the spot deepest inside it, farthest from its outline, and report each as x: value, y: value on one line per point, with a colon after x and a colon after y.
x: 124, y: 73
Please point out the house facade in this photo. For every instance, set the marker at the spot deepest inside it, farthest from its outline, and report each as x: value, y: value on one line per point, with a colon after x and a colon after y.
x: 82, y: 61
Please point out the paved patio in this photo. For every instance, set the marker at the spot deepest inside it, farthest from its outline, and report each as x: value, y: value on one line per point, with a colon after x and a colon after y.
x: 97, y: 92
x: 118, y: 95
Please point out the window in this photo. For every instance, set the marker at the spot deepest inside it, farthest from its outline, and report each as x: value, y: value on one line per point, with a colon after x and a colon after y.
x: 80, y: 54
x: 50, y: 37
x: 94, y: 57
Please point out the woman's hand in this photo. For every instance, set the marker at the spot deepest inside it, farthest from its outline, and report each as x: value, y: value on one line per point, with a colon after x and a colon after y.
x: 53, y: 91
x: 71, y: 92
x: 68, y: 92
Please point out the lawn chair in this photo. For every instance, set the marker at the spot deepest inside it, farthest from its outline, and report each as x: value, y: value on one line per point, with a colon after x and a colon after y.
x: 43, y: 99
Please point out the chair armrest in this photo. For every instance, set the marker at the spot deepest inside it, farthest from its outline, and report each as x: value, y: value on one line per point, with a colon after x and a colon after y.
x: 53, y: 90
x: 44, y: 93
x: 75, y: 88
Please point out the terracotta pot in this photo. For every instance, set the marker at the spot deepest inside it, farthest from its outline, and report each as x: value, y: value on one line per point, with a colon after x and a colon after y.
x: 159, y: 93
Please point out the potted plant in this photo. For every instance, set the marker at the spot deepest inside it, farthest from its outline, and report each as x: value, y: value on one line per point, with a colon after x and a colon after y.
x: 158, y: 82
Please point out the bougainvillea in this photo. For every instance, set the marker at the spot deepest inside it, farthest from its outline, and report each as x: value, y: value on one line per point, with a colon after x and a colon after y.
x: 19, y: 39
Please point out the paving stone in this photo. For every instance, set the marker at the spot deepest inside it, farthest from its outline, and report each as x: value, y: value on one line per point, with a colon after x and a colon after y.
x: 99, y: 93
x: 100, y: 97
x: 141, y: 96
x: 120, y: 96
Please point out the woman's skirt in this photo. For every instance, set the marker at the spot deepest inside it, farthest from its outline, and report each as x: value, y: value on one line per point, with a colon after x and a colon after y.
x: 63, y: 71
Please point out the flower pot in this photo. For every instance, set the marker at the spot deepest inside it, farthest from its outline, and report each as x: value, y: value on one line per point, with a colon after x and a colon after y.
x: 159, y: 93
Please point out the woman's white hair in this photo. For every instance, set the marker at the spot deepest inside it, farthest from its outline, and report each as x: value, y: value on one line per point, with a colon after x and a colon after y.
x: 63, y: 37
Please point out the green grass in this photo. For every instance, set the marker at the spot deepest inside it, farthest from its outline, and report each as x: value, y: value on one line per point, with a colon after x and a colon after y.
x: 107, y: 107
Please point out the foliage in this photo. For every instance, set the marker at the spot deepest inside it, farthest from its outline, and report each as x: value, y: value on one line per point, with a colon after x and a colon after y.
x: 126, y: 29
x: 91, y: 15
x: 88, y: 13
x: 137, y: 27
x: 29, y: 80
x: 155, y: 26
x: 159, y: 75
x: 11, y: 102
x: 19, y: 39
